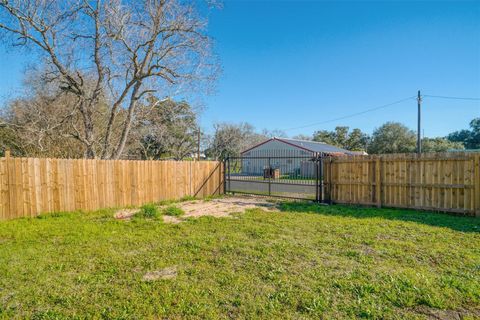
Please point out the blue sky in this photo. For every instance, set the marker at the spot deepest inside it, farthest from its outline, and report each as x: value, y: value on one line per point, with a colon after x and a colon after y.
x: 290, y: 64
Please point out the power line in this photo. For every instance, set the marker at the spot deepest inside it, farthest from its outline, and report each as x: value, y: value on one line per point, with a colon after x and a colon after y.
x: 447, y: 97
x: 352, y: 115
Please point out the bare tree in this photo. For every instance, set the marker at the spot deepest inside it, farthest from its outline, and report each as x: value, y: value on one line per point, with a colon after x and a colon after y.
x: 231, y: 139
x: 274, y: 133
x: 41, y: 120
x: 109, y: 55
x: 165, y: 128
x: 41, y: 126
x: 302, y: 137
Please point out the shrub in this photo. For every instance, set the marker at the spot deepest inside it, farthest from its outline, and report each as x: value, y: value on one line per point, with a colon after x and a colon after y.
x: 149, y: 210
x: 173, y: 211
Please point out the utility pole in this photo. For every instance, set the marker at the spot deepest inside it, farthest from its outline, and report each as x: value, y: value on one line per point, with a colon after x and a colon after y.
x: 419, y: 119
x: 198, y: 144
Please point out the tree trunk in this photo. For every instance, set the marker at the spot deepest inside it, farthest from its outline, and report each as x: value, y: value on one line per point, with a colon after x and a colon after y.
x: 128, y: 121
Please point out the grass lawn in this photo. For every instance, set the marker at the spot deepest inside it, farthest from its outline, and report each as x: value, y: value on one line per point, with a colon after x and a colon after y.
x: 308, y: 261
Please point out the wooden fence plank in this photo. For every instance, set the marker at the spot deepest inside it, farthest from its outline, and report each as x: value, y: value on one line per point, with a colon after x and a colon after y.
x: 447, y: 182
x: 30, y: 186
x: 443, y: 181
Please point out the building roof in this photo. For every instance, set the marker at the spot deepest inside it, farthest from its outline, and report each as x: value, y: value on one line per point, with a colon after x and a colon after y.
x: 312, y: 146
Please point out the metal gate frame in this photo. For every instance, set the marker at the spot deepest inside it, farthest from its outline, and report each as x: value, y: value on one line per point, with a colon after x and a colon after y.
x: 318, y: 178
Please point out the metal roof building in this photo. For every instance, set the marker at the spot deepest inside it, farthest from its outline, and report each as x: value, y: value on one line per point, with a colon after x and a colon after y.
x: 275, y: 145
x: 290, y: 156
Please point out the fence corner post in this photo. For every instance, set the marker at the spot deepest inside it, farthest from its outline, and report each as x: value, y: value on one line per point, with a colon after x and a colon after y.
x: 318, y: 179
x: 476, y: 188
x: 9, y: 212
x: 378, y: 182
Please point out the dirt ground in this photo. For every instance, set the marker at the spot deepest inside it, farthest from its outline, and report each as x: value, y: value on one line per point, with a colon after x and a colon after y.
x: 219, y: 207
x: 164, y: 274
x: 125, y: 214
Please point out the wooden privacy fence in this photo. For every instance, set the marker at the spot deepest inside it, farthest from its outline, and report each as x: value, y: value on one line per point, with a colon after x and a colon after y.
x: 30, y: 186
x: 447, y: 182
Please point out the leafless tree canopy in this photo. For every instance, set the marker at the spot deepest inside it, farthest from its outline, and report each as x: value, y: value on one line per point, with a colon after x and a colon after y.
x: 230, y: 139
x: 164, y: 128
x: 108, y: 56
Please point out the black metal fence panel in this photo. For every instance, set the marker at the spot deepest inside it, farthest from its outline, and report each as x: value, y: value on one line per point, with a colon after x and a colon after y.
x: 279, y: 173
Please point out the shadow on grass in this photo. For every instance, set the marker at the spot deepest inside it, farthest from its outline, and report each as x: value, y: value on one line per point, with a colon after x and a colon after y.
x: 458, y: 223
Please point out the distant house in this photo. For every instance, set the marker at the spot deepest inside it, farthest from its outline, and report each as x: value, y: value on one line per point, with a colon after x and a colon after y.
x: 290, y: 156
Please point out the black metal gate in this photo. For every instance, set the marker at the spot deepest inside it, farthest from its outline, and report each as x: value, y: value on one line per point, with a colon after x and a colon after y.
x: 294, y: 175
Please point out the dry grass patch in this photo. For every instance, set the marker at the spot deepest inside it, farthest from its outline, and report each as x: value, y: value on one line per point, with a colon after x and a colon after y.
x: 164, y: 274
x: 219, y: 207
x: 216, y: 207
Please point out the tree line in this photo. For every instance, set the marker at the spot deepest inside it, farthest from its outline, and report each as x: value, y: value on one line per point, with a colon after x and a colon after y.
x: 391, y: 137
x: 100, y: 64
x: 42, y: 125
x: 36, y: 126
x: 394, y: 137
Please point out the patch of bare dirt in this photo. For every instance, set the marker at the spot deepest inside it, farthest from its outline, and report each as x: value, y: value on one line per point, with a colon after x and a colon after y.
x: 438, y: 314
x: 171, y: 219
x: 163, y: 274
x: 221, y: 207
x: 125, y: 214
x: 368, y: 251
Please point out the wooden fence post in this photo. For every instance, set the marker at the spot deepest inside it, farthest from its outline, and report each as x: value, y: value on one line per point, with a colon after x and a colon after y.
x: 327, y: 178
x: 476, y: 181
x: 378, y: 182
x: 327, y: 165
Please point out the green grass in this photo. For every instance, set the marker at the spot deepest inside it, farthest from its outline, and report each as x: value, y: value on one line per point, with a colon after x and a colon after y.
x: 308, y: 261
x: 173, y: 211
x: 281, y: 178
x: 187, y: 198
x: 297, y: 177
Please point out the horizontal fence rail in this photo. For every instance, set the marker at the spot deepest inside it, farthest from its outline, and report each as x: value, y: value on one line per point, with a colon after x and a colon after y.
x: 448, y: 182
x: 30, y: 186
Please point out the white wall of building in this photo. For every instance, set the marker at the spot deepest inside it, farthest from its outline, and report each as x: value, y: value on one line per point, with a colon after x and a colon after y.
x: 274, y: 148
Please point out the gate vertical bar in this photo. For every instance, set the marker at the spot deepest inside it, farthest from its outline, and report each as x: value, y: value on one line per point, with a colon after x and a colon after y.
x: 269, y: 177
x: 225, y: 176
x: 229, y: 178
x: 317, y: 191
x: 330, y: 180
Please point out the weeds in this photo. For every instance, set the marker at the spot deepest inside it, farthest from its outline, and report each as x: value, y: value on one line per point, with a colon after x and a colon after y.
x: 187, y: 198
x: 212, y: 197
x: 173, y: 211
x: 149, y: 211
